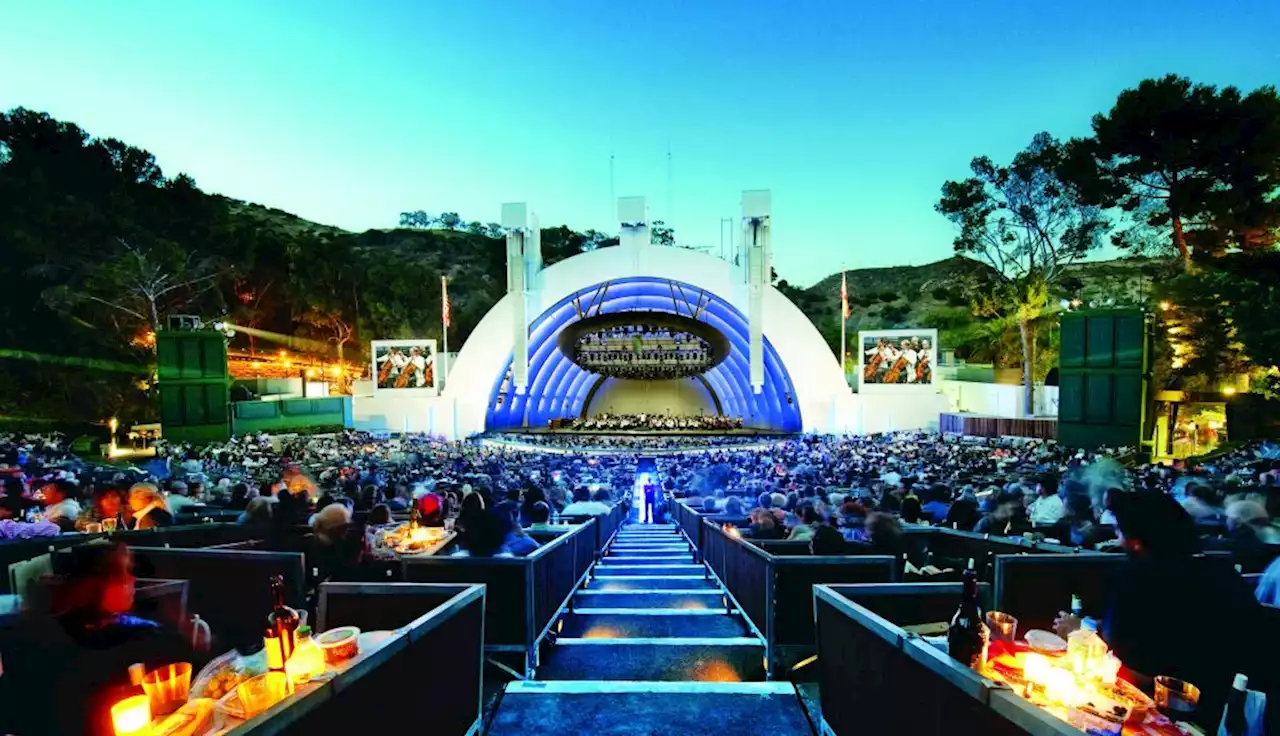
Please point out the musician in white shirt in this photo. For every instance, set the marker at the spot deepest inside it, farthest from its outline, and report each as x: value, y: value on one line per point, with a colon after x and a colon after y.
x: 420, y: 363
x: 909, y: 352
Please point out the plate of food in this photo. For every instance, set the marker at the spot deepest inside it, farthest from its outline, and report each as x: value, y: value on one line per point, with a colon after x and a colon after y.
x: 1046, y: 642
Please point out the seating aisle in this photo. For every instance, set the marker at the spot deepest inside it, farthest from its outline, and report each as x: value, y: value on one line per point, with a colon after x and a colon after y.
x: 651, y: 645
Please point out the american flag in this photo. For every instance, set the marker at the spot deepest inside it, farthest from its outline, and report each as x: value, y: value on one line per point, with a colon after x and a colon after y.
x: 444, y: 300
x: 844, y: 296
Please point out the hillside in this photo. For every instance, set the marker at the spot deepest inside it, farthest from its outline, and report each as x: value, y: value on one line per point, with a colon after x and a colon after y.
x: 880, y: 298
x: 905, y: 296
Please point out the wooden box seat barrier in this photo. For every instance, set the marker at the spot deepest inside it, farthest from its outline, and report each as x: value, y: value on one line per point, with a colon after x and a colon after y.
x: 228, y: 589
x: 606, y: 525
x: 187, y: 536
x: 690, y: 522
x: 1033, y: 588
x: 775, y: 592
x: 875, y: 677
x: 434, y: 660
x: 525, y: 594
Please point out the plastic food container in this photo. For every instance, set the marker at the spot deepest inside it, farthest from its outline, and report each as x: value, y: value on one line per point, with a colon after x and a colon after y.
x: 339, y: 644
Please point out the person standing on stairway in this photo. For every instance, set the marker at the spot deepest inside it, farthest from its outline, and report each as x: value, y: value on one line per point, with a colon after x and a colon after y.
x: 650, y: 499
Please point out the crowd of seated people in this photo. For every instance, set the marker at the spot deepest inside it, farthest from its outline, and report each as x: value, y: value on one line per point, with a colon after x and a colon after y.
x: 278, y: 486
x: 866, y: 487
x: 832, y: 492
x: 651, y: 422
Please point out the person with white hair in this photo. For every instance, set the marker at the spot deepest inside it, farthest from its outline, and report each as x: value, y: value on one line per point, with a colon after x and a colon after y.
x: 1249, y: 525
x: 147, y: 507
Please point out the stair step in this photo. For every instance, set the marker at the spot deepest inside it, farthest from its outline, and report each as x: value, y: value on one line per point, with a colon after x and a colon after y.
x: 670, y: 598
x: 719, y: 659
x: 622, y: 687
x: 651, y: 568
x: 635, y: 708
x: 651, y: 582
x: 636, y: 557
x: 650, y: 623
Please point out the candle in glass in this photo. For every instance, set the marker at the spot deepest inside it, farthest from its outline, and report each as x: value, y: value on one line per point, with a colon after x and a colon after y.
x: 131, y: 716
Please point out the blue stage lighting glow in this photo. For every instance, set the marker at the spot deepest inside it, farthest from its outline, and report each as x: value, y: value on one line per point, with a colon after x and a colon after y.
x: 558, y: 387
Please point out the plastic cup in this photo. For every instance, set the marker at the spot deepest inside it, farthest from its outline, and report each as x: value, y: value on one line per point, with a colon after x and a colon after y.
x: 1003, y: 626
x: 1175, y: 698
x: 167, y: 687
x: 260, y: 693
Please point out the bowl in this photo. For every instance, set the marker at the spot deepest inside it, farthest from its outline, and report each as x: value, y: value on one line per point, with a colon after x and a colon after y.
x: 339, y: 644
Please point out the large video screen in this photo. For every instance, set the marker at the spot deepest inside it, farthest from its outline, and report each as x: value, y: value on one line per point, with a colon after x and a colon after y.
x: 898, y: 357
x: 404, y: 365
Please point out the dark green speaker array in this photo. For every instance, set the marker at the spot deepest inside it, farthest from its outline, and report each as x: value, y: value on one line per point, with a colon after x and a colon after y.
x: 194, y: 385
x: 1103, y: 378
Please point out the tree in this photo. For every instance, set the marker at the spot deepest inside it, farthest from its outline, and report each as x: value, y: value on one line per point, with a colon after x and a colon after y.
x: 1027, y: 224
x: 494, y: 230
x: 660, y: 234
x: 417, y: 219
x: 141, y: 284
x: 450, y: 220
x: 332, y: 326
x: 476, y: 228
x: 1220, y: 321
x: 1191, y: 166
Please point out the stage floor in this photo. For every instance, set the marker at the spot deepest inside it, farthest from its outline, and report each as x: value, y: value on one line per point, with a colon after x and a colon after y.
x: 647, y: 432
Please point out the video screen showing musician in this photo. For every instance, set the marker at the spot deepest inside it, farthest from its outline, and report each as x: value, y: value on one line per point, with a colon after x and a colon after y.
x: 409, y: 366
x: 897, y: 359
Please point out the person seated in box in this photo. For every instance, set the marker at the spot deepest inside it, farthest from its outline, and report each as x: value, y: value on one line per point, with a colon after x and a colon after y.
x: 70, y: 661
x: 1169, y: 612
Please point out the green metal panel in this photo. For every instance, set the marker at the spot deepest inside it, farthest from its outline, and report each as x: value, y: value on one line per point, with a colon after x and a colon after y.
x: 193, y: 385
x: 1098, y: 404
x: 1072, y: 347
x: 290, y: 415
x: 1099, y: 350
x: 191, y: 355
x: 1131, y: 341
x: 1071, y: 397
x: 1103, y: 378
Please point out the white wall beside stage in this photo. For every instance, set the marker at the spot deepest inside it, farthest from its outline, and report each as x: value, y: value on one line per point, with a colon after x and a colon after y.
x: 386, y: 411
x: 997, y: 399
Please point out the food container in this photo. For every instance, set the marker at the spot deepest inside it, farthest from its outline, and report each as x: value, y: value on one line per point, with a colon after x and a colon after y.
x: 259, y: 693
x: 339, y: 644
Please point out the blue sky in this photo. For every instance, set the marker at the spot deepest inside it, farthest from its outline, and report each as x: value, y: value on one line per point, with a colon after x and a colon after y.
x: 853, y: 113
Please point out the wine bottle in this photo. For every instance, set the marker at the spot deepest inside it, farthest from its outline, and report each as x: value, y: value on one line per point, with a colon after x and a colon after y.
x: 967, y: 636
x: 282, y: 620
x: 1234, y: 721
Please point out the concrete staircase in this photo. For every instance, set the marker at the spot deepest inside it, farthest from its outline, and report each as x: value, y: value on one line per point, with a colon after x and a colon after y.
x: 651, y: 644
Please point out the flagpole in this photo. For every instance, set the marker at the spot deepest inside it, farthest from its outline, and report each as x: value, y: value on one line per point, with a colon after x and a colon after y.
x: 444, y: 321
x: 844, y: 319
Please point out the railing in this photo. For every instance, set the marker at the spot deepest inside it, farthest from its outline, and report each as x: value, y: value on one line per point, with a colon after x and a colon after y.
x: 747, y: 573
x: 774, y: 592
x: 435, y: 655
x: 606, y: 525
x: 525, y: 594
x: 184, y: 537
x: 874, y: 677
